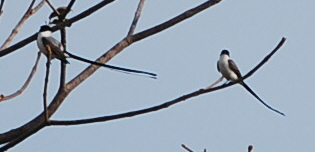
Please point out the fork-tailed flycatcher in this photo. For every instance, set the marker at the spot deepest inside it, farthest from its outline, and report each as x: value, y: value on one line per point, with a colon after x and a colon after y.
x: 47, y: 44
x: 229, y: 70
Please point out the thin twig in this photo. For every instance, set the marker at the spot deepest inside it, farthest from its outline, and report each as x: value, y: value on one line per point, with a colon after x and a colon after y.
x: 52, y: 7
x: 188, y: 149
x: 39, y: 122
x: 69, y: 8
x: 166, y: 104
x: 28, y: 80
x: 1, y: 5
x: 136, y: 18
x: 39, y: 5
x: 17, y: 28
x: 63, y: 11
x: 31, y: 38
x: 46, y: 83
x: 137, y: 37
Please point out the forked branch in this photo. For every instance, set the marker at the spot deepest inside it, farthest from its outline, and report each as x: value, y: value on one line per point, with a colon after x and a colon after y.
x: 17, y: 28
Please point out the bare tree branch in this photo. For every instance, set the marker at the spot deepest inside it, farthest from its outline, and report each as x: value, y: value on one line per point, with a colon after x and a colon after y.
x: 151, y: 31
x: 17, y: 135
x: 63, y: 15
x: 136, y: 18
x: 39, y: 5
x: 1, y: 5
x: 60, y: 12
x: 17, y: 28
x: 166, y: 104
x: 186, y: 148
x: 52, y: 7
x: 31, y: 38
x: 28, y: 80
x: 46, y: 83
x: 137, y: 37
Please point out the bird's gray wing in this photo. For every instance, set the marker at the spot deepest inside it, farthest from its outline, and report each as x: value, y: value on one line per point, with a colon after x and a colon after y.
x: 218, y: 66
x: 55, y: 47
x: 234, y: 68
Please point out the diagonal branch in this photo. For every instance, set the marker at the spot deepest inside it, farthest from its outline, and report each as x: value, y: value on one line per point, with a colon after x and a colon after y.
x: 28, y: 80
x: 1, y: 5
x: 52, y: 7
x: 17, y: 28
x: 39, y: 122
x: 169, y: 103
x: 136, y: 18
x: 137, y: 37
x: 186, y: 148
x: 151, y: 31
x: 63, y: 15
x: 80, y: 16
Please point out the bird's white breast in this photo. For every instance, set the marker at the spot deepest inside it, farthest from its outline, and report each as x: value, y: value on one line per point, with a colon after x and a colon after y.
x: 40, y: 42
x: 225, y: 69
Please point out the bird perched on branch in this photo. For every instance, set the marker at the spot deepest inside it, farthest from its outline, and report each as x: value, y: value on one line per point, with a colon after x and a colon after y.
x: 230, y: 71
x: 54, y: 49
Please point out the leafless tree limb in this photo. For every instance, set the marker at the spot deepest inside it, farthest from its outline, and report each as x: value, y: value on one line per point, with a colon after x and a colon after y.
x: 17, y: 28
x: 38, y: 6
x: 63, y: 16
x: 1, y: 5
x: 166, y: 104
x: 137, y: 37
x: 38, y: 122
x: 80, y: 16
x: 186, y: 148
x: 136, y: 18
x: 52, y: 7
x: 28, y: 80
x: 46, y: 84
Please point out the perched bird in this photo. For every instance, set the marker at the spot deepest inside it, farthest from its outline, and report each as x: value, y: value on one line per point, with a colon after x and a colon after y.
x: 61, y: 10
x: 229, y: 71
x: 50, y: 46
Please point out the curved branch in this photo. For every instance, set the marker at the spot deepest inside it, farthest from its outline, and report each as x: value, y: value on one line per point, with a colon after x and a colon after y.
x: 187, y: 14
x: 137, y: 37
x: 17, y: 28
x: 31, y: 38
x: 28, y: 80
x: 39, y: 122
x: 52, y: 7
x: 169, y: 103
x: 186, y: 148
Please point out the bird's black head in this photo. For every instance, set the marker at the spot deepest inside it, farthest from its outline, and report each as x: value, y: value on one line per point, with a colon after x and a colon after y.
x: 226, y: 52
x: 45, y: 28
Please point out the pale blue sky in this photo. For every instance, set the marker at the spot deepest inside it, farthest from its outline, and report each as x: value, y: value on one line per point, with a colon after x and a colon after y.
x: 184, y: 57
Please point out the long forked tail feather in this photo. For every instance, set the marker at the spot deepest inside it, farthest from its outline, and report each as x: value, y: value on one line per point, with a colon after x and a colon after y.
x: 120, y: 69
x: 254, y: 94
